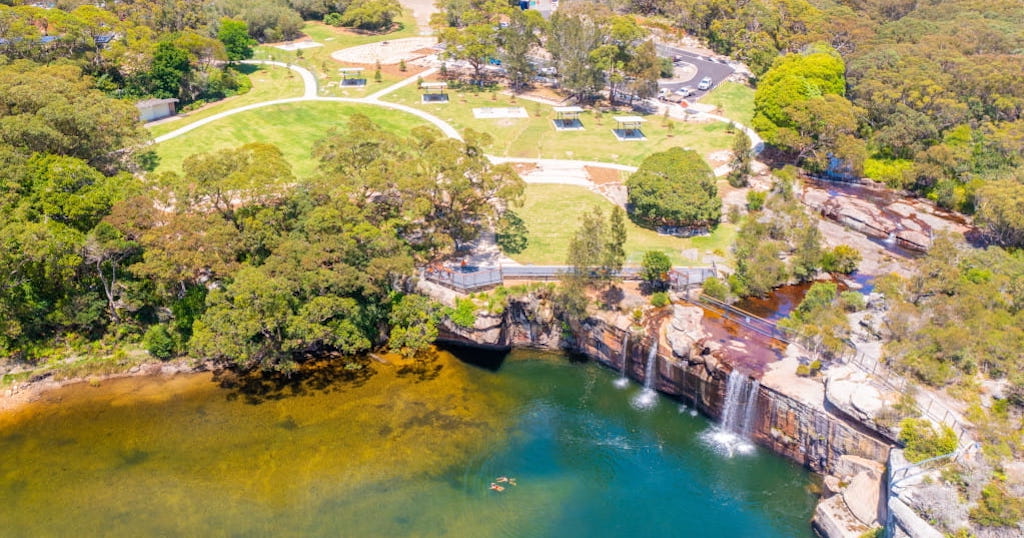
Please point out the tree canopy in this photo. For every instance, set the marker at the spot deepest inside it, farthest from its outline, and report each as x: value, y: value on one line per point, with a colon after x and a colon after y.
x: 675, y: 188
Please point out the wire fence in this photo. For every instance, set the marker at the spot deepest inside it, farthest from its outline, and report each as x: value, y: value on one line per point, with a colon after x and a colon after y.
x: 928, y: 406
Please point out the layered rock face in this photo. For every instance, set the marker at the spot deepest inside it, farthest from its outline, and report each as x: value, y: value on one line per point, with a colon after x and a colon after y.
x: 689, y: 366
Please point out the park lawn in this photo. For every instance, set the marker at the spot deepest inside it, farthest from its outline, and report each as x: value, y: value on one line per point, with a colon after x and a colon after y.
x: 318, y: 59
x: 293, y: 127
x: 536, y: 137
x: 268, y: 83
x: 546, y: 211
x: 734, y: 101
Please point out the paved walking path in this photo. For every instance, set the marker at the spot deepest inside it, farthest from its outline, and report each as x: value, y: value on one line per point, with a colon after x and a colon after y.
x: 564, y: 171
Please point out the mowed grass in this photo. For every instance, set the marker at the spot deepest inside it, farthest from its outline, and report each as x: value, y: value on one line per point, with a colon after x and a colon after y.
x: 735, y: 101
x: 536, y: 137
x: 268, y: 83
x: 293, y: 127
x: 319, y: 61
x: 551, y: 212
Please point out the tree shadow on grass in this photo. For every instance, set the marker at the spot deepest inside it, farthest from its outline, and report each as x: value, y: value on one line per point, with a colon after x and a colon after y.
x: 317, y: 376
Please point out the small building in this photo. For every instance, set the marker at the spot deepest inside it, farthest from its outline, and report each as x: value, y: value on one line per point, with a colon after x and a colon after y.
x: 434, y: 92
x: 155, y: 109
x: 628, y: 128
x: 352, y: 76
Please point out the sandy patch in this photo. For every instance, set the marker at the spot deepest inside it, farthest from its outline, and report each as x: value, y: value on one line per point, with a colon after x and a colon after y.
x: 601, y: 176
x: 298, y: 45
x: 386, y: 52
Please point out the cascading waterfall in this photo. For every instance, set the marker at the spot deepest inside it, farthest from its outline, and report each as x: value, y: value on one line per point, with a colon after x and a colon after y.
x: 623, y: 380
x: 738, y: 415
x: 649, y: 396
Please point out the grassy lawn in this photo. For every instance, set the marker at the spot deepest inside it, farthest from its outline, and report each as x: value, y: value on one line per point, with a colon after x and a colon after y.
x: 545, y: 213
x: 736, y: 101
x: 268, y: 83
x: 318, y: 59
x: 536, y: 137
x: 293, y: 127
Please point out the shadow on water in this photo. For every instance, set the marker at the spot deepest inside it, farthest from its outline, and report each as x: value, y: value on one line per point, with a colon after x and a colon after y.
x: 322, y: 375
x: 489, y: 359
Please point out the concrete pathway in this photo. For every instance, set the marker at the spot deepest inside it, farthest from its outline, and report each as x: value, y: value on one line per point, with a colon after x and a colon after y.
x: 308, y: 78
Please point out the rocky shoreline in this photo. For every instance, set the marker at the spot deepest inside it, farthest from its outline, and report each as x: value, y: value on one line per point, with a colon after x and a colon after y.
x: 26, y: 392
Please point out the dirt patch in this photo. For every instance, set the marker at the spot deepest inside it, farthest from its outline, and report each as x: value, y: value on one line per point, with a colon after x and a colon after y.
x: 602, y: 176
x: 389, y: 70
x: 524, y: 168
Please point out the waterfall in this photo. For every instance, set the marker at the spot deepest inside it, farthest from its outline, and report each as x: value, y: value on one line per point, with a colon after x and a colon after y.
x: 739, y: 411
x: 650, y: 371
x: 649, y: 397
x: 740, y: 406
x: 623, y: 380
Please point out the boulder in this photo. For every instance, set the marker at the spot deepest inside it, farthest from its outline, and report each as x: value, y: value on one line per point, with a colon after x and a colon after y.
x: 685, y: 330
x: 833, y: 519
x: 850, y: 391
x: 849, y: 466
x: 861, y: 496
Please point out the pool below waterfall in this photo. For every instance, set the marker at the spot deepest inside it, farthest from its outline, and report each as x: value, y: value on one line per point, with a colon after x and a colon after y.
x: 535, y: 445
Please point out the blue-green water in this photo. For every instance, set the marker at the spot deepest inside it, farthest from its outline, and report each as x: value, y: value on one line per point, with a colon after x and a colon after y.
x: 407, y: 451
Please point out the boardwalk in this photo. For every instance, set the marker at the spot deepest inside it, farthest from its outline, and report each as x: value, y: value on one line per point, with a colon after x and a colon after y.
x: 471, y: 278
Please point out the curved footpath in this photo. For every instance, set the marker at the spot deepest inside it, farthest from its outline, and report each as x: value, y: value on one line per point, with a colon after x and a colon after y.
x: 311, y: 90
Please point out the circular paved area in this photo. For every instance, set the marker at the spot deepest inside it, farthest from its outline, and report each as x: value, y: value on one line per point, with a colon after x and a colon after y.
x: 387, y: 52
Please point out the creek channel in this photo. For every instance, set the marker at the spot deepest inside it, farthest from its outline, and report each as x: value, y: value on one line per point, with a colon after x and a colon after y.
x: 397, y: 449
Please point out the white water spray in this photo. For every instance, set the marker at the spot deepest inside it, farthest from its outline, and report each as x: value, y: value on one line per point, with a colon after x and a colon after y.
x: 649, y: 397
x: 623, y: 380
x: 739, y: 413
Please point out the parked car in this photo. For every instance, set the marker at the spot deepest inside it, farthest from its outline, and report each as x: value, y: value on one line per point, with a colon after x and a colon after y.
x: 705, y: 84
x: 685, y: 91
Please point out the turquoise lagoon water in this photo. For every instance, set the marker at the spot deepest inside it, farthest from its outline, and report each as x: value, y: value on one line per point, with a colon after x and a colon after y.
x: 408, y: 448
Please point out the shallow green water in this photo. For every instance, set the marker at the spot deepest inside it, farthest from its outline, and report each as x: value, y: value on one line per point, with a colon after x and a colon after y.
x: 407, y: 451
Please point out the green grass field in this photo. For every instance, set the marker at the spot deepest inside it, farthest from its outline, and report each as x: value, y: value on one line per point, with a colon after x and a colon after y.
x: 268, y: 83
x: 318, y: 59
x: 536, y: 137
x: 293, y: 127
x: 735, y: 101
x: 549, y: 212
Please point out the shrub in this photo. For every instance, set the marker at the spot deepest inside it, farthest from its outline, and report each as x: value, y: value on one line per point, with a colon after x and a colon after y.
x: 803, y: 370
x: 511, y: 233
x: 921, y: 441
x: 464, y: 313
x: 716, y: 288
x: 655, y: 267
x: 852, y: 301
x: 842, y: 259
x: 755, y: 200
x: 334, y: 19
x: 159, y: 342
x: 997, y: 508
x: 660, y: 299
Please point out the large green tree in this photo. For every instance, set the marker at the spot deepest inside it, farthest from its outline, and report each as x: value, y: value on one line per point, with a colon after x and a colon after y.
x: 675, y: 188
x: 234, y: 34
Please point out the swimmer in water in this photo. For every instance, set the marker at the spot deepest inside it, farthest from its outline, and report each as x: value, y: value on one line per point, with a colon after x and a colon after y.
x: 502, y: 479
x: 511, y: 481
x: 496, y: 487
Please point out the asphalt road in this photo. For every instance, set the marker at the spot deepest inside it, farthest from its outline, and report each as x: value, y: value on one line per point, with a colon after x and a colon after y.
x: 706, y: 67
